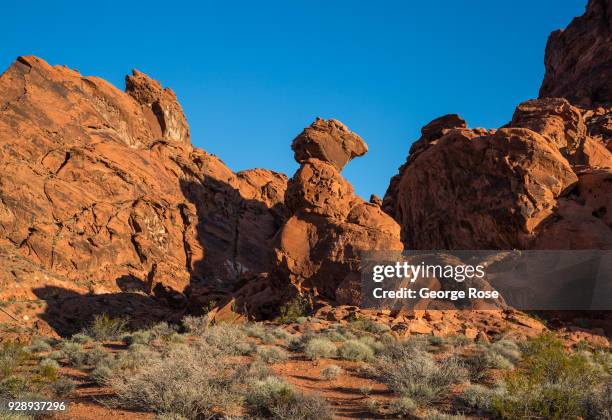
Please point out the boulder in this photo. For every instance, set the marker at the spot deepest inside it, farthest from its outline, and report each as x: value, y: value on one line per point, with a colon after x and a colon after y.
x: 329, y: 141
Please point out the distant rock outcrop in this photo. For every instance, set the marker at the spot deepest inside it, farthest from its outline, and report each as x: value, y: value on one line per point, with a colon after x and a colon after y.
x: 578, y: 59
x: 542, y: 181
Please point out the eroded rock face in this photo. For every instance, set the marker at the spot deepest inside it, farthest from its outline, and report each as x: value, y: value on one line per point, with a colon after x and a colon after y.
x: 161, y: 102
x: 473, y: 190
x: 541, y: 181
x: 318, y: 248
x: 102, y: 188
x: 578, y: 59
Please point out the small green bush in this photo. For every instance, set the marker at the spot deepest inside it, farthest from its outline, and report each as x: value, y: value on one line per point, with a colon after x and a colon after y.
x: 48, y: 368
x: 356, y: 350
x: 550, y: 383
x: 12, y: 355
x: 317, y: 348
x: 293, y: 310
x: 103, y: 327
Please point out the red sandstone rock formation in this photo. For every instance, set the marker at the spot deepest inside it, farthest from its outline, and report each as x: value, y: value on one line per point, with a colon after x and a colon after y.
x: 542, y: 181
x: 318, y: 248
x: 578, y: 59
x: 103, y: 189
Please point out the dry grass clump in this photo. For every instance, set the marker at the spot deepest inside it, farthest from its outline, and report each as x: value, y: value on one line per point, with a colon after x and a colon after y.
x: 230, y: 338
x: 356, y: 350
x: 402, y: 407
x: 274, y: 398
x: 416, y: 374
x: 272, y: 354
x: 258, y: 330
x: 189, y: 380
x: 330, y: 372
x: 318, y: 348
x: 195, y: 325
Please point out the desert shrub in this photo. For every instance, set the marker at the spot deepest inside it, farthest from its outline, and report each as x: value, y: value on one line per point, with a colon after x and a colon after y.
x: 317, y: 348
x: 356, y: 350
x: 274, y: 398
x: 11, y: 356
x: 330, y: 372
x: 298, y: 344
x: 189, y: 380
x: 164, y: 333
x: 195, y: 325
x: 63, y: 386
x: 255, y: 371
x: 94, y: 355
x: 598, y: 403
x: 484, y: 358
x: 272, y: 354
x: 417, y: 375
x: 371, y: 342
x: 170, y: 416
x: 293, y: 311
x: 257, y: 330
x: 334, y: 336
x: 402, y: 407
x: 137, y: 337
x: 508, y: 349
x: 479, y: 397
x: 281, y: 334
x: 368, y: 325
x: 13, y: 386
x: 551, y: 383
x: 433, y: 414
x: 39, y: 346
x: 81, y: 338
x: 74, y: 353
x: 103, y: 327
x: 229, y: 338
x: 48, y: 369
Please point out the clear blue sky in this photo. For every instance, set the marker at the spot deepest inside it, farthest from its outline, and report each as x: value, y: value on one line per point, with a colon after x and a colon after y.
x: 251, y: 74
